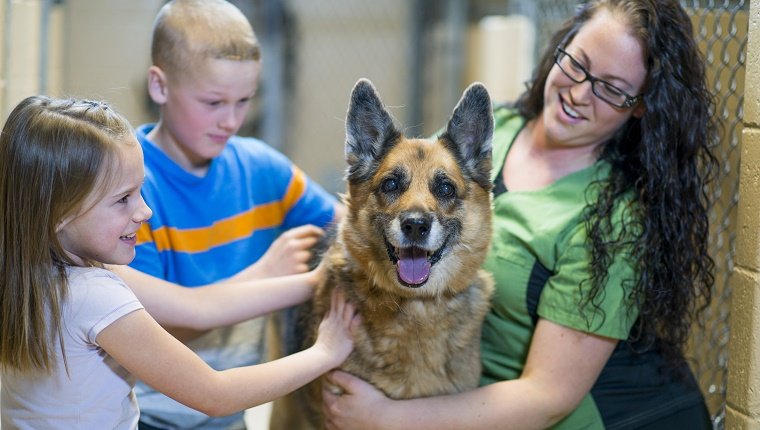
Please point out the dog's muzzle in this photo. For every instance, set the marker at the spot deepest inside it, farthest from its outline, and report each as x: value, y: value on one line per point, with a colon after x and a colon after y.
x: 412, y: 263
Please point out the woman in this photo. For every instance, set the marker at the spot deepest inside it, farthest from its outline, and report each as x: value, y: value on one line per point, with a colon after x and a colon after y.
x: 599, y: 249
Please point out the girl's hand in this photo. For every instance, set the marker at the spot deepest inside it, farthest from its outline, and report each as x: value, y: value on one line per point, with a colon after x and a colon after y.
x: 335, y: 331
x: 357, y: 404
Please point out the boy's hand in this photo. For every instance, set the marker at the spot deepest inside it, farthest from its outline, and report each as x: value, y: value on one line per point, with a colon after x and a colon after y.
x: 336, y: 330
x: 288, y: 255
x: 318, y: 274
x: 291, y: 252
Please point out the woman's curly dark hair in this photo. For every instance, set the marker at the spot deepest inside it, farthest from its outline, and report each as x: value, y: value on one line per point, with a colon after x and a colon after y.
x: 664, y: 161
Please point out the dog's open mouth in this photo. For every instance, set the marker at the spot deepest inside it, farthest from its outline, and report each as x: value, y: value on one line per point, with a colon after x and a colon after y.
x: 413, y: 264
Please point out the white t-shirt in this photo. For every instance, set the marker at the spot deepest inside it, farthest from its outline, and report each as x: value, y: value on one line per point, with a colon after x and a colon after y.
x: 97, y: 391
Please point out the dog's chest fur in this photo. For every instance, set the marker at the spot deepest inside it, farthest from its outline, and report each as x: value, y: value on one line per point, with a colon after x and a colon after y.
x: 410, y: 347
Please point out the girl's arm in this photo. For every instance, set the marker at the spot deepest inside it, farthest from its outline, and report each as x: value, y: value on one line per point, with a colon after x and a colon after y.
x: 561, y: 368
x: 217, y: 305
x: 152, y: 355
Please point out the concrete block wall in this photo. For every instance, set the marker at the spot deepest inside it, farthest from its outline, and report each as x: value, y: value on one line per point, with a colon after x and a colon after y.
x: 743, y: 397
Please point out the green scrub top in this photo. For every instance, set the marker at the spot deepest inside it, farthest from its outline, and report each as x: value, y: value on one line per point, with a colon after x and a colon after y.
x: 540, y: 262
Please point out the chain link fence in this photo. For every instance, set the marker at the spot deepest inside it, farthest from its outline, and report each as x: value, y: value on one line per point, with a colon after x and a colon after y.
x: 721, y: 29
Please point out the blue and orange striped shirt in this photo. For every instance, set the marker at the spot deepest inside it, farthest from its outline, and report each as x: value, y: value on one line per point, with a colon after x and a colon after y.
x: 205, y: 229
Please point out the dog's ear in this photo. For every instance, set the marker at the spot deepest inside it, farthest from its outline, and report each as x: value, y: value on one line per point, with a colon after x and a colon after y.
x: 370, y: 131
x: 469, y: 132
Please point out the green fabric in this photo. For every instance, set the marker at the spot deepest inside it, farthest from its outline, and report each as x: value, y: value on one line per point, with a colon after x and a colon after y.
x: 546, y: 225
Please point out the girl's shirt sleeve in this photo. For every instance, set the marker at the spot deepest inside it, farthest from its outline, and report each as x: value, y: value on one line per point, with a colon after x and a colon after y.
x: 100, y: 298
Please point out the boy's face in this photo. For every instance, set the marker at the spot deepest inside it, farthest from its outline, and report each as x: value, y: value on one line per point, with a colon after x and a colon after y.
x: 204, y: 108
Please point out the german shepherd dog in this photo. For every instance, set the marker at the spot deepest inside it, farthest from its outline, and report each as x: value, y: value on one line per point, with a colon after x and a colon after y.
x: 408, y: 254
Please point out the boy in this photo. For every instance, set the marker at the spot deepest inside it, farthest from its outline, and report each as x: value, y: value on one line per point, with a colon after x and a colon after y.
x: 219, y: 200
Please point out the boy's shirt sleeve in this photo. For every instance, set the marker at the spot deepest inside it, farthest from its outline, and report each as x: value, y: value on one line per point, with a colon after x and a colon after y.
x: 306, y: 202
x: 302, y: 201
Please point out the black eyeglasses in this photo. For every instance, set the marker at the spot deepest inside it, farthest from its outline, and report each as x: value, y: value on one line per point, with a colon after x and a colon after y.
x: 602, y: 89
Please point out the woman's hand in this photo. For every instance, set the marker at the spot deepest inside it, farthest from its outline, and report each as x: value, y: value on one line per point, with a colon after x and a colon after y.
x: 359, y: 405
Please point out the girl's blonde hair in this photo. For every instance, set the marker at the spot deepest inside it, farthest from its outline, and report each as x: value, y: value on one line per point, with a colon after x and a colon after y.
x: 53, y: 153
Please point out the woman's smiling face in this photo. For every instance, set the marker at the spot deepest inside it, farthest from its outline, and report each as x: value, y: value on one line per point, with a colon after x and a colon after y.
x: 573, y: 115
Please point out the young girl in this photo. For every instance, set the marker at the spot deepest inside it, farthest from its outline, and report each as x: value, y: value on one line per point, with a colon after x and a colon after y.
x: 73, y: 336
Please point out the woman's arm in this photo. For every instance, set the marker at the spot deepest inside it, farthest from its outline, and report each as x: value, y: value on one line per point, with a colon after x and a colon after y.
x: 152, y: 355
x: 561, y: 368
x: 217, y: 305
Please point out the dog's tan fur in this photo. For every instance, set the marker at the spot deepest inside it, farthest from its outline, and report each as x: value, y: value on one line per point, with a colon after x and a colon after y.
x: 414, y: 340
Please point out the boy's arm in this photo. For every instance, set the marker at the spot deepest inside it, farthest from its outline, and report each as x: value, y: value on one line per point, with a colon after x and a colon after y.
x: 289, y: 254
x: 340, y: 212
x: 219, y: 304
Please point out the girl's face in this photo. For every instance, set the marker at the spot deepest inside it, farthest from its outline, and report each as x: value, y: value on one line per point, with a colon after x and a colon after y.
x: 107, y: 230
x: 573, y: 115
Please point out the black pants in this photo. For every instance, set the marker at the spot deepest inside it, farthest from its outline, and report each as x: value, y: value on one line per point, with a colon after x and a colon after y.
x: 693, y: 418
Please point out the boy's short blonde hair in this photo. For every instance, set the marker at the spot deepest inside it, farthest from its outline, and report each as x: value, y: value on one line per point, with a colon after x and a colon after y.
x: 186, y: 32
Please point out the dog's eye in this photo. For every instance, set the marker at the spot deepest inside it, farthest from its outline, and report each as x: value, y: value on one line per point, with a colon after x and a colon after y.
x: 389, y: 185
x: 445, y: 190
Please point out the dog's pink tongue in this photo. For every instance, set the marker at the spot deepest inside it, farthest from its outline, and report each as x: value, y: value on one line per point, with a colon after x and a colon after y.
x: 413, y: 266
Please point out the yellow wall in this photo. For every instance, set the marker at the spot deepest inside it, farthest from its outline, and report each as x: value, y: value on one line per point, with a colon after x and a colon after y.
x: 743, y: 398
x: 107, y: 46
x: 21, y: 62
x: 95, y: 49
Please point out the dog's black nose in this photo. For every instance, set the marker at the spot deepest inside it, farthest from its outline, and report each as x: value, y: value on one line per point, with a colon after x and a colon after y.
x: 415, y: 228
